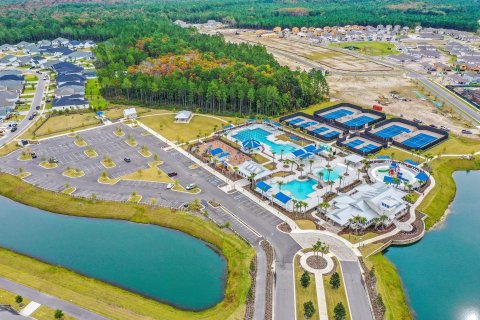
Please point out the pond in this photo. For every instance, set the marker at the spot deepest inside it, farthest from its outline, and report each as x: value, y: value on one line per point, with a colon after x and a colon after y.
x: 161, y: 263
x: 440, y: 274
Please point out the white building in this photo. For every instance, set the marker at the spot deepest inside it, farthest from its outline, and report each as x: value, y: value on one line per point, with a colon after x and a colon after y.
x: 370, y: 202
x: 250, y: 167
x: 130, y: 113
x: 183, y: 116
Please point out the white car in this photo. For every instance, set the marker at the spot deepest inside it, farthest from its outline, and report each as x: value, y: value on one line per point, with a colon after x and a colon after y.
x: 169, y: 186
x: 191, y: 186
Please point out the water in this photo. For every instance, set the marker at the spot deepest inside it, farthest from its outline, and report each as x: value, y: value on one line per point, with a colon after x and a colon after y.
x: 261, y: 135
x: 441, y: 273
x: 300, y: 189
x: 334, y: 175
x: 161, y: 263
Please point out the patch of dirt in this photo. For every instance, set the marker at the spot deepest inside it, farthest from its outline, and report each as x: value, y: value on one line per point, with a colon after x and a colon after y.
x: 317, y: 262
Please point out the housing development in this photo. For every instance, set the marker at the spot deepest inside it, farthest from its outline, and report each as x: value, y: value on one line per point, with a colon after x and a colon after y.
x: 154, y: 166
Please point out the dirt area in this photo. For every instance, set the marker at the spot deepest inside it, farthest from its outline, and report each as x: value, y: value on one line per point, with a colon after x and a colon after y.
x: 330, y: 59
x: 366, y: 91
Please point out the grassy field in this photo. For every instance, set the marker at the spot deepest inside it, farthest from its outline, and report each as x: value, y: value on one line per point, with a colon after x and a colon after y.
x: 7, y: 297
x: 30, y: 77
x: 456, y: 145
x: 48, y: 165
x: 356, y: 238
x: 8, y: 148
x: 106, y: 299
x: 322, y: 105
x: 151, y: 174
x: 368, y: 249
x: 389, y: 286
x: 115, y: 113
x: 73, y: 173
x: 91, y: 153
x: 334, y: 296
x: 46, y: 313
x: 199, y: 125
x: 306, y: 224
x: 66, y: 123
x: 302, y: 294
x: 92, y: 93
x: 437, y: 201
x: 369, y: 48
x: 398, y: 154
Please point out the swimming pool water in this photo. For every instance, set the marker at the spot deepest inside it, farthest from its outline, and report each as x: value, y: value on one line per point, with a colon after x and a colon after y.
x: 300, y: 189
x: 261, y: 135
x: 331, y: 176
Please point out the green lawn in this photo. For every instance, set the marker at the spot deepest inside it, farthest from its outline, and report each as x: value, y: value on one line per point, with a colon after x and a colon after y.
x: 334, y: 296
x: 92, y: 93
x: 369, y: 48
x: 8, y: 148
x: 66, y: 123
x: 8, y: 298
x: 389, y: 286
x: 46, y: 313
x: 199, y: 125
x: 437, y: 201
x: 398, y: 154
x: 302, y: 294
x: 30, y: 77
x: 353, y: 238
x: 106, y: 299
x: 456, y: 145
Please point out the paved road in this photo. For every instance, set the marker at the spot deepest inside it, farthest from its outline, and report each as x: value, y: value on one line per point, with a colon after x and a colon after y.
x: 356, y: 291
x: 246, y: 216
x: 48, y: 300
x: 36, y: 101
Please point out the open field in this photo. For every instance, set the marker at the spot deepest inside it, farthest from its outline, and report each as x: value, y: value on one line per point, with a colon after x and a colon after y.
x: 200, y: 125
x: 369, y: 91
x: 334, y: 296
x: 8, y: 298
x: 92, y: 93
x: 304, y: 294
x: 369, y: 48
x: 67, y: 123
x: 330, y: 59
x: 108, y: 300
x: 46, y: 313
x: 456, y: 145
x: 389, y: 286
x: 398, y: 154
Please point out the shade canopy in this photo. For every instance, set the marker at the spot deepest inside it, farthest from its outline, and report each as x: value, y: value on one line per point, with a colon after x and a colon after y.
x: 251, y: 144
x: 263, y: 186
x: 422, y: 176
x: 282, y: 197
x: 388, y: 179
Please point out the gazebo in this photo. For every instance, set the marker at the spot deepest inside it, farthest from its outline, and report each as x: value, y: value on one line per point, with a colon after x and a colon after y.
x: 251, y: 145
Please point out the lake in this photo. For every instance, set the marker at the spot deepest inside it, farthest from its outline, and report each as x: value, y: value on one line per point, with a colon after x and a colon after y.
x: 164, y: 264
x: 441, y: 273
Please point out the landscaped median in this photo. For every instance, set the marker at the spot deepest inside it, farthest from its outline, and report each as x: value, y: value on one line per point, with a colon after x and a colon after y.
x: 106, y: 299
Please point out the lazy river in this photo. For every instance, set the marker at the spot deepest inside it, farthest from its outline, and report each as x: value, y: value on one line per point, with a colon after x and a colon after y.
x: 163, y: 264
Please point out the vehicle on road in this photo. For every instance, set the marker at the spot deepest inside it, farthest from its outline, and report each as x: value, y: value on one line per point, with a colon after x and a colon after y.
x: 127, y: 160
x: 445, y: 128
x: 191, y: 186
x: 433, y: 126
x: 417, y: 120
x: 37, y: 107
x: 466, y: 131
x: 13, y: 129
x: 169, y: 186
x: 172, y: 174
x: 31, y: 117
x: 33, y: 155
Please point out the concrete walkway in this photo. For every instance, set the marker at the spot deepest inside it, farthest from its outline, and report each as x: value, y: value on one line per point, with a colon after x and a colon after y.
x: 30, y: 308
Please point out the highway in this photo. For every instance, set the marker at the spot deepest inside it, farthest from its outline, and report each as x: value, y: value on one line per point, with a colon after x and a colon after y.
x: 36, y: 101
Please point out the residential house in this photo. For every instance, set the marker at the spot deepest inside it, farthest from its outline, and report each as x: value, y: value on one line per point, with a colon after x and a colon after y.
x: 60, y: 42
x: 74, y: 102
x: 7, y: 60
x: 44, y: 43
x: 64, y: 78
x: 70, y: 90
x: 402, y: 58
x: 11, y: 85
x: 471, y: 77
x: 7, y: 48
x: 86, y: 55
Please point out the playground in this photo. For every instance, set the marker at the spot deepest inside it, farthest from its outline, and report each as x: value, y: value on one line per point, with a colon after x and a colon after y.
x: 404, y: 175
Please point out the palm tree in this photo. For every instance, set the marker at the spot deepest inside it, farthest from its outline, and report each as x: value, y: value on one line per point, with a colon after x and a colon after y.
x: 295, y: 201
x: 280, y: 184
x: 311, y: 161
x: 316, y: 247
x: 358, y: 173
x: 340, y: 182
x: 346, y: 171
x: 273, y: 157
x: 383, y: 218
x: 324, y: 205
x: 320, y: 176
x: 252, y: 178
x: 281, y: 154
x: 331, y: 183
x: 325, y: 249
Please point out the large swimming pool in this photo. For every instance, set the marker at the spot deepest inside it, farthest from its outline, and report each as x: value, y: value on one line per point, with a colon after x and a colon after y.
x: 300, y: 189
x: 261, y: 135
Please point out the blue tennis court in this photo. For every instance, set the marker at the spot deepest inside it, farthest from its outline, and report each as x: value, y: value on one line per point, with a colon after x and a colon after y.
x: 360, y: 121
x: 307, y: 124
x: 368, y: 148
x: 295, y: 121
x: 355, y: 143
x: 419, y: 141
x: 320, y: 130
x: 330, y: 134
x: 391, y: 131
x: 337, y: 114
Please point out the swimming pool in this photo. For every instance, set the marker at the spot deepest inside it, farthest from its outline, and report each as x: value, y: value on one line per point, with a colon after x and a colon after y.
x: 261, y: 135
x: 333, y: 175
x: 300, y: 189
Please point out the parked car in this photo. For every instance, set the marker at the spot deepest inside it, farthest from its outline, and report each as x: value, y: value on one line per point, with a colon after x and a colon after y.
x: 417, y: 120
x: 433, y: 126
x: 191, y: 186
x: 169, y: 186
x: 53, y: 160
x: 37, y: 107
x: 172, y: 174
x: 445, y: 128
x: 34, y: 155
x: 466, y: 131
x: 31, y: 117
x: 13, y: 129
x: 127, y: 160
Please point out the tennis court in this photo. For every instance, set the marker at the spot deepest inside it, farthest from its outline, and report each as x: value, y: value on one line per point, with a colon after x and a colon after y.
x: 330, y: 134
x: 391, y: 131
x: 368, y: 148
x: 355, y: 143
x: 337, y: 114
x: 320, y: 130
x: 360, y: 121
x: 419, y: 141
x: 295, y: 121
x: 308, y: 124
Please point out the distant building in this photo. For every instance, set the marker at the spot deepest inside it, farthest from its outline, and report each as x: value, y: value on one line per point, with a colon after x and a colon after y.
x: 183, y: 116
x: 130, y: 113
